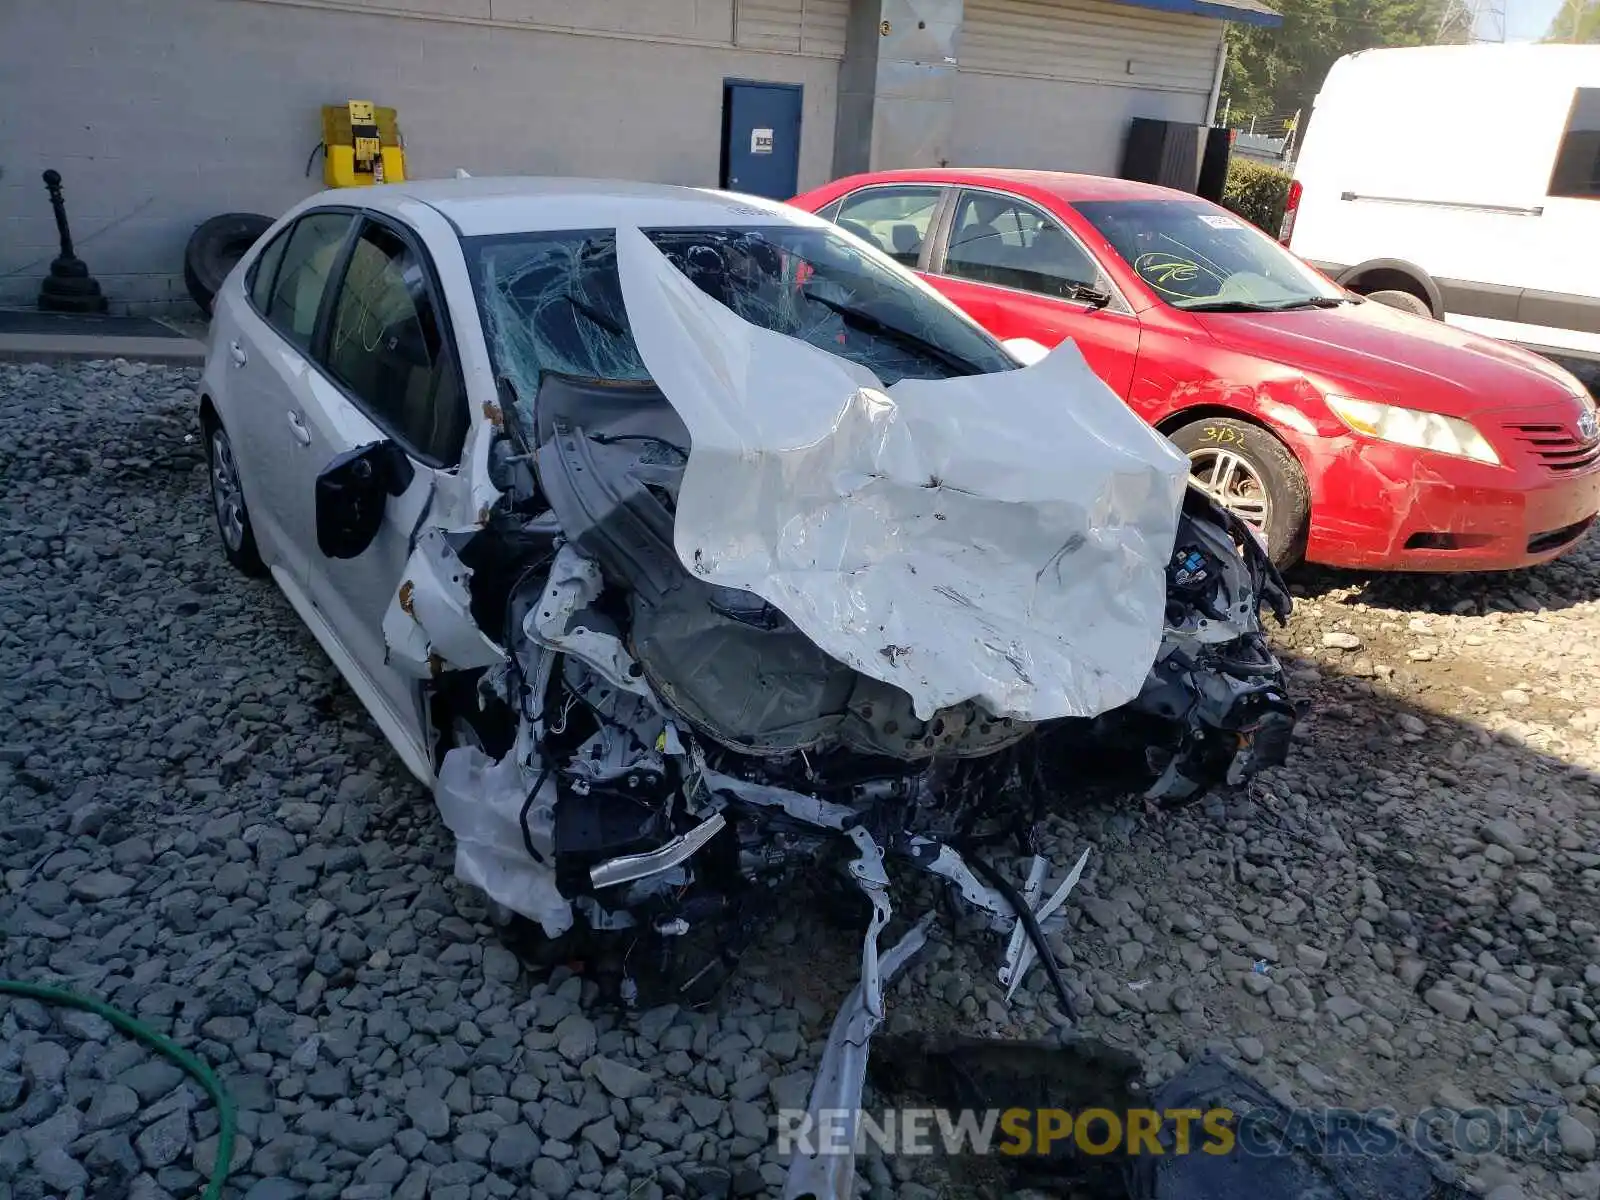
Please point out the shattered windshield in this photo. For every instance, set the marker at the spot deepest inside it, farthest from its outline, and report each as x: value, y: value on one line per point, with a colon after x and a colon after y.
x: 553, y: 302
x: 1196, y: 256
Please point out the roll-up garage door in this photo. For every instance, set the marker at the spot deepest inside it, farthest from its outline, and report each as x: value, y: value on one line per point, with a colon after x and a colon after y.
x: 1091, y: 41
x: 795, y: 26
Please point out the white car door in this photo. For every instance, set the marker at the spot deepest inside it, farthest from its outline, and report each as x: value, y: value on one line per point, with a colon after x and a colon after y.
x: 386, y: 370
x: 265, y: 337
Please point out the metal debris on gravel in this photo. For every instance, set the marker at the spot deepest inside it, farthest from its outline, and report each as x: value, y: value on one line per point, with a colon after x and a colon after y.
x: 199, y: 823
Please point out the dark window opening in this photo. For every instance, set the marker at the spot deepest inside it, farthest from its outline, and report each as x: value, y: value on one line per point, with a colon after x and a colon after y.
x: 387, y: 346
x: 1577, y: 169
x: 1002, y: 241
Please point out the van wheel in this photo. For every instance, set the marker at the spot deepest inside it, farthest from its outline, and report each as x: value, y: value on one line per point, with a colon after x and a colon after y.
x: 1251, y: 473
x: 1404, y: 301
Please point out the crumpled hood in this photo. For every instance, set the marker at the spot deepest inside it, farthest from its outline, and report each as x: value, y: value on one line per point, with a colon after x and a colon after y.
x: 1385, y: 353
x: 1000, y: 538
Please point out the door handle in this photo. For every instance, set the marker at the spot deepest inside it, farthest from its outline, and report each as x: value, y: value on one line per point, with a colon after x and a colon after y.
x: 301, y: 433
x: 236, y: 352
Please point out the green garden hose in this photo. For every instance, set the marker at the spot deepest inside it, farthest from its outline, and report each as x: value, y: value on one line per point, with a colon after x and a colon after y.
x: 163, y: 1045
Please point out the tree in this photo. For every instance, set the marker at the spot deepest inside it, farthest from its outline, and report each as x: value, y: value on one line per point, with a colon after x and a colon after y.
x: 1575, y: 21
x: 1278, y: 71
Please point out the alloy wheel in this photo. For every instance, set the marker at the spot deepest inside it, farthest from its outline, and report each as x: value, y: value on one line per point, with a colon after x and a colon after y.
x: 1233, y: 482
x: 225, y: 492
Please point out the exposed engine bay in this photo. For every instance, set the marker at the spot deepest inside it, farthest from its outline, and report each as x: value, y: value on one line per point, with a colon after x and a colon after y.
x: 931, y: 626
x: 658, y: 746
x: 739, y: 611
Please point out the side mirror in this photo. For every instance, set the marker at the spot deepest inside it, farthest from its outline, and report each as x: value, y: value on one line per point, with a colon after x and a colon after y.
x: 352, y: 492
x: 1025, y: 350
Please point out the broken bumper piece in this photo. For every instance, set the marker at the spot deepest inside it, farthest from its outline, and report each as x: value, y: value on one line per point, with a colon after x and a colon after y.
x: 841, y: 1076
x: 1020, y: 952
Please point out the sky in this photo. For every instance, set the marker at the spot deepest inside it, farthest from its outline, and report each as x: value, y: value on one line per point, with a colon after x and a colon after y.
x: 1527, y: 20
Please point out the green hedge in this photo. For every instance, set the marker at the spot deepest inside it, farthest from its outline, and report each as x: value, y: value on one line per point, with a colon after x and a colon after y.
x: 1257, y: 192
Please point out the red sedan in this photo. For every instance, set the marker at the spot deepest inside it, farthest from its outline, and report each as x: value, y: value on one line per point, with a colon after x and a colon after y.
x: 1347, y: 432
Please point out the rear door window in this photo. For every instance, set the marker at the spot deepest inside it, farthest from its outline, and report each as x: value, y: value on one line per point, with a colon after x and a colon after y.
x: 1577, y: 169
x: 302, y: 277
x: 895, y: 219
x: 265, y: 270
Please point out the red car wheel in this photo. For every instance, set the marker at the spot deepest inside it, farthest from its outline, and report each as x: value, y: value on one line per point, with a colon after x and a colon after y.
x: 1251, y: 473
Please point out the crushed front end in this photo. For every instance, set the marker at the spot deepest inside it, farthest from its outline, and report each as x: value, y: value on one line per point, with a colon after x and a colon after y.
x: 740, y: 611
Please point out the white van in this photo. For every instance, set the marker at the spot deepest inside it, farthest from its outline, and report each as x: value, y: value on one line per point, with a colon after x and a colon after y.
x: 1461, y: 182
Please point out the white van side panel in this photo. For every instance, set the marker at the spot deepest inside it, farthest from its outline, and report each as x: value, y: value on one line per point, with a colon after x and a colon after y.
x: 1441, y: 157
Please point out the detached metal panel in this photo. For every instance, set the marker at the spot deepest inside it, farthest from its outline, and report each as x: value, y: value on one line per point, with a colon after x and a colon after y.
x: 792, y: 26
x: 1091, y: 41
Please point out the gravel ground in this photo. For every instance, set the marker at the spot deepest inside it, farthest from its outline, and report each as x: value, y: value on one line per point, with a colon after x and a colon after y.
x: 199, y: 823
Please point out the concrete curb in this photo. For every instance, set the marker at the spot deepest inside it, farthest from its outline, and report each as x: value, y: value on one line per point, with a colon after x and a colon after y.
x: 59, y: 348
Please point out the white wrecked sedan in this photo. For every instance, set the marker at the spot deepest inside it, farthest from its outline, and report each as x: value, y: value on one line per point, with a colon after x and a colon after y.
x: 681, y: 542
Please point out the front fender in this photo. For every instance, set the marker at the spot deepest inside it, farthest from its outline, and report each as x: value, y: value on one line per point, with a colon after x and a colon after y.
x: 1289, y: 406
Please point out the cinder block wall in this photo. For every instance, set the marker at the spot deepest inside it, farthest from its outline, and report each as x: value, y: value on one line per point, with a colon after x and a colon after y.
x: 161, y: 113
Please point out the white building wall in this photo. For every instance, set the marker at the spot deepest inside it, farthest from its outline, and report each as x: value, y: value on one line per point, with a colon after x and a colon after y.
x: 162, y: 113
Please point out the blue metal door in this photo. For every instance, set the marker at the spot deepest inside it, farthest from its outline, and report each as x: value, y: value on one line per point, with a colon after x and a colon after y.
x: 761, y: 138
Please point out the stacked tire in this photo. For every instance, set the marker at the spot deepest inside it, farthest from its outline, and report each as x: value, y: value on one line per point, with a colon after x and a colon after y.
x: 215, y: 248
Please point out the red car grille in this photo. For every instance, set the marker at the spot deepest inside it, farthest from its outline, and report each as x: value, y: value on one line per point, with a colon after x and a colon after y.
x: 1556, y: 446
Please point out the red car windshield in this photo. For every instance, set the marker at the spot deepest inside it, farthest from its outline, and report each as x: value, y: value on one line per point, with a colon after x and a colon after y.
x: 1196, y: 256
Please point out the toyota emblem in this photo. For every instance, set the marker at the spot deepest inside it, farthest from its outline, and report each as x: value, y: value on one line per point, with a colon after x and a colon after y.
x: 1589, y: 425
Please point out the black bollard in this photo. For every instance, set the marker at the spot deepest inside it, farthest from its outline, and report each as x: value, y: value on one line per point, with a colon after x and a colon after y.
x: 69, y: 287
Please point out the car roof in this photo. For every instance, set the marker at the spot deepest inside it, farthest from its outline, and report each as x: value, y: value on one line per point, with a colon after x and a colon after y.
x: 491, y: 206
x: 1063, y: 185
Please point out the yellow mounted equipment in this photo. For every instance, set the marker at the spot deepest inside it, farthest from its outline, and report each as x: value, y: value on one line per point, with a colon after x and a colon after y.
x: 362, y: 144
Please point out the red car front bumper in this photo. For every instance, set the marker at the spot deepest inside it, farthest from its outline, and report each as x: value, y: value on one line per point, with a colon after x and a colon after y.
x: 1386, y: 507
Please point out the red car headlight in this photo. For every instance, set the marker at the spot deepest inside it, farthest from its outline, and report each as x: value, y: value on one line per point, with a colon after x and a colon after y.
x: 1413, y: 427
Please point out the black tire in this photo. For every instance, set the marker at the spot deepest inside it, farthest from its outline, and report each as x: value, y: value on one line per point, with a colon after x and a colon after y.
x: 1288, y: 499
x: 213, y: 250
x: 238, y: 540
x: 1404, y: 301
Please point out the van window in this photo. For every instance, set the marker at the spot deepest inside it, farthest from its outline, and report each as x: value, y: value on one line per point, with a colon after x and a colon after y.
x: 1577, y: 171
